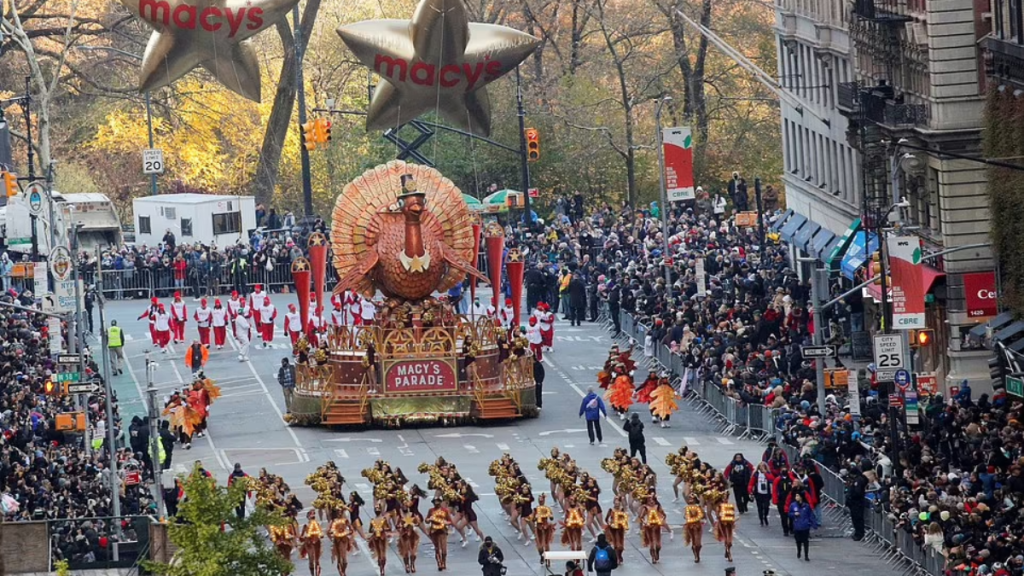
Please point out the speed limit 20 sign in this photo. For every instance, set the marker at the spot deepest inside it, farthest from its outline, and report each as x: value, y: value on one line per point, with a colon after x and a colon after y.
x: 889, y: 351
x: 152, y: 161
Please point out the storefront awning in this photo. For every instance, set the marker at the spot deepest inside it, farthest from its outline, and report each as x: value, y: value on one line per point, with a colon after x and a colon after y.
x: 802, y: 240
x: 995, y: 324
x: 819, y: 242
x: 830, y: 254
x: 928, y: 275
x: 861, y: 246
x: 781, y: 220
x: 791, y: 227
x: 1011, y: 332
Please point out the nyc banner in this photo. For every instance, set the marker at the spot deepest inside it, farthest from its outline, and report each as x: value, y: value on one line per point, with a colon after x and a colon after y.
x: 907, y: 295
x: 678, y: 150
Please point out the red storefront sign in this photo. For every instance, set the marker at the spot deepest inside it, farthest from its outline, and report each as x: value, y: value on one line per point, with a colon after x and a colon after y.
x: 980, y: 293
x: 418, y: 376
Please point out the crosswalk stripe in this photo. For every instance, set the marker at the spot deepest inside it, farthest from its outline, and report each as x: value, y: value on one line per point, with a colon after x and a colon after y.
x: 661, y: 441
x: 725, y: 441
x: 340, y: 453
x: 691, y: 441
x: 471, y: 449
x: 502, y: 446
x: 373, y: 451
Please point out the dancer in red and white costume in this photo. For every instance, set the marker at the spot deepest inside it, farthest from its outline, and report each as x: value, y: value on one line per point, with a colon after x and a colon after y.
x: 150, y: 313
x: 256, y: 302
x: 235, y: 306
x: 316, y: 326
x: 350, y: 303
x: 179, y: 316
x: 547, y: 325
x: 533, y: 337
x: 293, y: 324
x: 268, y: 314
x: 367, y: 311
x: 219, y: 318
x: 203, y: 317
x: 337, y: 317
x: 163, y: 329
x: 507, y: 316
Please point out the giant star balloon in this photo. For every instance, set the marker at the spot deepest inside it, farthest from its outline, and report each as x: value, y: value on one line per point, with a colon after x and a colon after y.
x: 208, y: 33
x: 437, y: 61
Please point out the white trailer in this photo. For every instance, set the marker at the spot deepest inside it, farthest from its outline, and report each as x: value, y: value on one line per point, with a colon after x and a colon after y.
x: 205, y: 218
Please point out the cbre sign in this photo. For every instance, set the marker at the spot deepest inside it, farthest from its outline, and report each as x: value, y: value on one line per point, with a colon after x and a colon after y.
x: 980, y: 294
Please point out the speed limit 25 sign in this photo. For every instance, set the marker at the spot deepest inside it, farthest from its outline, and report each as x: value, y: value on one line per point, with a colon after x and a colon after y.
x: 889, y: 351
x: 152, y: 161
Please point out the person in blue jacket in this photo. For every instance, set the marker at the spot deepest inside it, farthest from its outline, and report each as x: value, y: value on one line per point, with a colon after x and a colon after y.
x: 593, y: 407
x: 803, y: 521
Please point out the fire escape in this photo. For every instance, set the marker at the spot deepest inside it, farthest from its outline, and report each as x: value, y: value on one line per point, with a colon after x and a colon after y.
x: 878, y: 110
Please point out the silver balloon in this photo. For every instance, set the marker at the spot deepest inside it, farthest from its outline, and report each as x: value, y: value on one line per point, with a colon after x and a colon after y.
x: 208, y: 33
x: 437, y: 61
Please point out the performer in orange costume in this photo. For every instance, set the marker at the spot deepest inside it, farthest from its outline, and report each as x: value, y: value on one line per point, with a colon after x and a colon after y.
x: 694, y: 527
x: 620, y: 395
x: 572, y: 531
x: 342, y: 540
x: 726, y: 525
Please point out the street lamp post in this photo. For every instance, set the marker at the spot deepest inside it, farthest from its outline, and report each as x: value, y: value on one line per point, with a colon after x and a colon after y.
x: 659, y: 138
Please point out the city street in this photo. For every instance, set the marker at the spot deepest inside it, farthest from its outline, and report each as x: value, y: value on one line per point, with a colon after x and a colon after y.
x: 246, y: 427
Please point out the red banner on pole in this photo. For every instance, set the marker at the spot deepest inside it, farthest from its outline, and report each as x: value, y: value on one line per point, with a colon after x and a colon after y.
x: 907, y: 294
x: 515, y: 267
x: 318, y: 264
x: 980, y: 293
x: 678, y: 153
x: 300, y: 276
x: 495, y: 248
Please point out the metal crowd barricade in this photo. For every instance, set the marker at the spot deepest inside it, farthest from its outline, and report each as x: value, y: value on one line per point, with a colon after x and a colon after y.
x: 126, y: 284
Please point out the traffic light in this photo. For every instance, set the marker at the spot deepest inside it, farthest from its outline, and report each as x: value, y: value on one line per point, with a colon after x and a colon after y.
x: 10, y: 184
x: 52, y: 388
x: 921, y: 338
x: 876, y: 267
x: 325, y: 126
x: 532, y: 144
x: 309, y: 134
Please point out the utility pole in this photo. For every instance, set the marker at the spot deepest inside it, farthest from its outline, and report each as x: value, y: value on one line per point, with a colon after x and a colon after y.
x: 149, y: 123
x: 26, y: 105
x: 659, y: 137
x: 79, y: 344
x: 524, y: 166
x: 154, y: 437
x: 307, y: 183
x: 108, y: 390
x: 760, y: 221
x: 819, y: 293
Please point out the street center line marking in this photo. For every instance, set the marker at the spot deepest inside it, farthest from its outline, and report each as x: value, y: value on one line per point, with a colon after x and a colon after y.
x: 373, y: 452
x: 470, y: 449
x: 661, y: 441
x: 273, y: 404
x: 583, y: 394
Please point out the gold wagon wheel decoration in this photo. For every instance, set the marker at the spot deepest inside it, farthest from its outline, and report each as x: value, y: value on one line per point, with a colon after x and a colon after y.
x: 316, y: 239
x: 300, y: 265
x: 436, y: 341
x: 514, y: 255
x: 494, y: 229
x: 400, y: 342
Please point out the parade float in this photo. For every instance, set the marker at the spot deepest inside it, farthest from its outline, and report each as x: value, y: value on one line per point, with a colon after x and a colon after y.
x: 403, y: 235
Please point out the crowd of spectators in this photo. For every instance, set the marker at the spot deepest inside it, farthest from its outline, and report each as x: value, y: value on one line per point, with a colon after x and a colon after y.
x: 47, y: 474
x: 954, y: 483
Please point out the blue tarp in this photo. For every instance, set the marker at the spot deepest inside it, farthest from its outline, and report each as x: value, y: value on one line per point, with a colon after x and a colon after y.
x: 861, y: 247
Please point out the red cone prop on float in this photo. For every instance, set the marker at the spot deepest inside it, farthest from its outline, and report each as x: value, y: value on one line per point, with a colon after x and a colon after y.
x: 476, y: 262
x: 318, y: 264
x: 300, y: 275
x: 495, y: 239
x: 515, y: 267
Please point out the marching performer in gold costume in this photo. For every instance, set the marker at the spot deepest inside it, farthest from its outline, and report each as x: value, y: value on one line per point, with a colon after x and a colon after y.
x: 572, y: 526
x: 543, y: 523
x: 311, y: 539
x: 726, y: 525
x: 652, y: 521
x: 408, y: 537
x: 438, y: 520
x: 693, y: 529
x: 616, y: 525
x: 342, y: 540
x: 379, y: 534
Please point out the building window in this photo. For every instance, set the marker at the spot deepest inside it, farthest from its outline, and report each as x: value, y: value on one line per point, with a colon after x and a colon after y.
x: 144, y: 226
x: 227, y: 223
x: 186, y: 227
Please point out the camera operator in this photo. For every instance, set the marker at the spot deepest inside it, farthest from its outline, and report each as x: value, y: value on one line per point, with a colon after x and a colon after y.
x: 490, y: 558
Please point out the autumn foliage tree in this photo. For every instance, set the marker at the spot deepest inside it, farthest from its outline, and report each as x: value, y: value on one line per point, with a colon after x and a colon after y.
x: 213, y: 541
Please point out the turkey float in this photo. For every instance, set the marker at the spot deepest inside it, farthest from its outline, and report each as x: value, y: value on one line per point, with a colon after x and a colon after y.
x: 403, y: 229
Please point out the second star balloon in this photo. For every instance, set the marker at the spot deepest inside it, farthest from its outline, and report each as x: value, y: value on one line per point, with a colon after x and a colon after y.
x: 439, y: 61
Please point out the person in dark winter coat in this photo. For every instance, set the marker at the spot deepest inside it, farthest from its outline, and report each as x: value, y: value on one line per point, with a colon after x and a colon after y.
x: 635, y: 428
x: 802, y: 515
x: 577, y: 300
x: 602, y: 558
x: 490, y: 558
x: 738, y: 473
x: 167, y: 440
